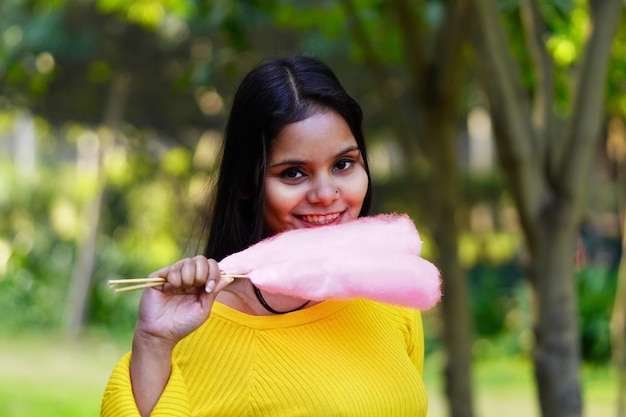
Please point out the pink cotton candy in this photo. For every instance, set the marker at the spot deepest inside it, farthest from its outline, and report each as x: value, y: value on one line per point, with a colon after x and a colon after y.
x: 393, y: 232
x: 389, y: 277
x: 371, y: 257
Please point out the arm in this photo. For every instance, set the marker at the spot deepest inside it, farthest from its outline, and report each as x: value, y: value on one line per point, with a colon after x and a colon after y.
x: 150, y: 369
x: 166, y: 315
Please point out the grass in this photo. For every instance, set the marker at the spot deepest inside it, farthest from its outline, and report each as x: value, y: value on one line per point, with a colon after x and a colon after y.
x: 47, y: 375
x: 504, y: 387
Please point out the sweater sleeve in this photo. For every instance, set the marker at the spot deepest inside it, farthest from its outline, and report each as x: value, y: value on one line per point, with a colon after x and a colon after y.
x: 118, y: 399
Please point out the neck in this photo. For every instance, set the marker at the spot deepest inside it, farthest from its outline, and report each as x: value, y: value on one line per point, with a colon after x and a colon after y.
x: 241, y: 296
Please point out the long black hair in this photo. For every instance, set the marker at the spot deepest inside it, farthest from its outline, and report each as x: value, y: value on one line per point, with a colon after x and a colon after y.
x: 274, y: 94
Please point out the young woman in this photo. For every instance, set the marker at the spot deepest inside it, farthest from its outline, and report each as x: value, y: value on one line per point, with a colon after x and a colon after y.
x: 294, y: 157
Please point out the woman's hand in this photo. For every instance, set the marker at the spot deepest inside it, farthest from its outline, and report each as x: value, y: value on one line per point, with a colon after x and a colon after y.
x: 171, y: 312
x: 166, y: 315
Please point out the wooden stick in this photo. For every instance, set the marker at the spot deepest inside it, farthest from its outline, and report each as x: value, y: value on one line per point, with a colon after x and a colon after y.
x: 139, y: 286
x: 135, y: 280
x: 149, y: 282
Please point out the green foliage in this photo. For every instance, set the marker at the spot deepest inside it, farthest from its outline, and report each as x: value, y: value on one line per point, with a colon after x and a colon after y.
x: 42, y: 222
x: 330, y: 22
x: 60, y: 60
x: 616, y: 96
x: 33, y: 281
x: 565, y: 24
x: 596, y: 294
x: 501, y: 310
x: 493, y: 294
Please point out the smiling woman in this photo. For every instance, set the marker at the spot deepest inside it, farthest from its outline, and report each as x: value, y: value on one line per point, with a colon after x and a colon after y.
x: 315, y: 176
x: 294, y: 157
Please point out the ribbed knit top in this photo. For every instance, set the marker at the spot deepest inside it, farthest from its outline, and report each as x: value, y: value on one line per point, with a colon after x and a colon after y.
x: 336, y: 358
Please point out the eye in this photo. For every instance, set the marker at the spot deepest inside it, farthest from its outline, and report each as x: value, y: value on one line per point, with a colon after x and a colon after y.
x: 343, y: 164
x: 292, y: 173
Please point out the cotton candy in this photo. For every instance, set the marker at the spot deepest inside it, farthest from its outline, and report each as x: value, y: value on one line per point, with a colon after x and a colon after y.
x: 393, y: 232
x: 390, y: 277
x: 372, y: 257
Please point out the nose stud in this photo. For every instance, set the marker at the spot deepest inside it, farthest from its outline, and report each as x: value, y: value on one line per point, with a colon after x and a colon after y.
x: 336, y: 191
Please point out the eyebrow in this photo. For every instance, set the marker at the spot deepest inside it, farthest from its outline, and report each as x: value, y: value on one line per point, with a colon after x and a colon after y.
x: 301, y: 162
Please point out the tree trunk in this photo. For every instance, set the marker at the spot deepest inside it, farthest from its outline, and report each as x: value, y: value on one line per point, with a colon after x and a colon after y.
x: 432, y: 142
x: 457, y: 333
x: 457, y: 338
x: 547, y: 177
x: 444, y: 209
x: 436, y: 85
x: 556, y: 352
x: 87, y: 245
x: 84, y: 266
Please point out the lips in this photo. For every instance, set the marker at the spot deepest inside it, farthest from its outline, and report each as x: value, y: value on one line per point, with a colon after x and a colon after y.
x: 320, y: 219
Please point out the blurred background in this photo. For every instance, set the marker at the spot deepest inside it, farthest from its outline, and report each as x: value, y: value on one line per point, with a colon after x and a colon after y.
x: 498, y: 125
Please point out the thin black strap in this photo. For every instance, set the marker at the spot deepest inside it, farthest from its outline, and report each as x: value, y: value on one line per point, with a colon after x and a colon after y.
x: 266, y: 306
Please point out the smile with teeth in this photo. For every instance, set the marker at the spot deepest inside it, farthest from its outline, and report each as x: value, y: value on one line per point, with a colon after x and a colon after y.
x: 320, y: 219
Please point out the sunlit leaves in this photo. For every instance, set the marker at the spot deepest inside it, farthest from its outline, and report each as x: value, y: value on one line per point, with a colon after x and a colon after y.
x: 147, y: 13
x: 568, y: 33
x: 5, y: 254
x: 116, y: 166
x: 60, y: 61
x: 563, y: 50
x: 469, y: 250
x: 176, y: 162
x: 65, y: 218
x: 494, y: 248
x: 43, y: 220
x: 565, y: 26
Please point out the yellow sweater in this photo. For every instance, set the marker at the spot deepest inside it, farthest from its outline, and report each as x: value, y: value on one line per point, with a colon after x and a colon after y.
x: 336, y: 358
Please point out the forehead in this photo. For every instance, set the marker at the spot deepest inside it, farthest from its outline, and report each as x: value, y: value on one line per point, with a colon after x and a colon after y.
x: 322, y: 131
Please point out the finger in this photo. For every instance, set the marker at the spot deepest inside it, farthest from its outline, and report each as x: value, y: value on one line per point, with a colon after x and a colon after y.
x: 188, y: 272
x: 214, y: 276
x: 202, y: 270
x: 175, y: 277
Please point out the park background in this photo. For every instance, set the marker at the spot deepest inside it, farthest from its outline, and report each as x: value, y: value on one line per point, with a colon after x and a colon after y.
x: 497, y: 125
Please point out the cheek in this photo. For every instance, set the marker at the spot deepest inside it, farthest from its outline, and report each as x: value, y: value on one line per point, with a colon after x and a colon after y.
x: 279, y: 198
x: 356, y: 191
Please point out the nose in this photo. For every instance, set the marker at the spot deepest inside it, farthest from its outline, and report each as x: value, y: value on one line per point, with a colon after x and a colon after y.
x: 323, y: 191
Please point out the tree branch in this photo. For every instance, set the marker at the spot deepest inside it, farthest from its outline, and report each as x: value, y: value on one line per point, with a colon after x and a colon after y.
x: 514, y: 133
x: 544, y: 69
x: 583, y: 129
x: 448, y: 50
x: 380, y: 72
x: 410, y: 26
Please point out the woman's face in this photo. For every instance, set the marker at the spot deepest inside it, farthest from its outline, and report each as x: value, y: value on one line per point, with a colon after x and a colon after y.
x: 315, y: 175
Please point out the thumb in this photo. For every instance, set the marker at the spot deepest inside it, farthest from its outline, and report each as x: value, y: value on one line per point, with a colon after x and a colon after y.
x: 215, y: 286
x: 212, y: 288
